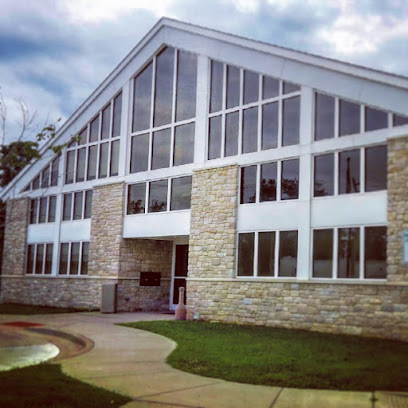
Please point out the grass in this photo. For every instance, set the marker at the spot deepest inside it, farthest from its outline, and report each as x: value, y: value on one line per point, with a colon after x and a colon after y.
x: 284, y: 358
x: 18, y: 309
x: 45, y: 385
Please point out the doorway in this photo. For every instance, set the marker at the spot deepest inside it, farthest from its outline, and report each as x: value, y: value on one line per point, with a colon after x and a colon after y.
x: 180, y: 269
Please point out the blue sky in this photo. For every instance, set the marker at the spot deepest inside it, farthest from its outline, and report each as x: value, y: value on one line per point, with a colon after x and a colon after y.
x: 54, y: 53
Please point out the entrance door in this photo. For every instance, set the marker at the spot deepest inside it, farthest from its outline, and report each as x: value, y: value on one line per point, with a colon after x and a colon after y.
x: 180, y: 273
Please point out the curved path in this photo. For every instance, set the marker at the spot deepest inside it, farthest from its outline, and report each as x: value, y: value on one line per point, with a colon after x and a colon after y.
x: 132, y: 362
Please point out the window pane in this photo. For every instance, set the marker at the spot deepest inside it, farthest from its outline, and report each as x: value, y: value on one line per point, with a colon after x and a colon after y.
x: 158, y: 196
x: 288, y: 249
x: 348, y: 264
x: 92, y: 157
x: 52, y: 209
x: 48, y: 259
x: 161, y: 149
x: 376, y: 168
x: 78, y: 198
x: 349, y: 118
x: 63, y: 265
x: 36, y: 183
x: 214, y: 138
x: 398, y: 120
x: 288, y: 87
x: 85, y: 258
x: 73, y: 268
x: 323, y: 253
x: 39, y: 260
x: 33, y: 211
x: 142, y: 99
x: 268, y: 182
x: 88, y: 204
x: 30, y: 258
x: 324, y: 117
x: 186, y: 86
x: 266, y: 254
x: 180, y: 193
x: 70, y: 167
x: 251, y: 87
x: 216, y: 86
x: 324, y: 175
x: 94, y: 136
x: 136, y: 198
x: 375, y: 253
x: 117, y: 115
x: 45, y: 178
x: 246, y: 254
x: 164, y: 87
x: 83, y: 136
x: 114, y: 162
x: 290, y: 179
x: 103, y: 160
x: 291, y: 117
x: 375, y: 119
x: 250, y: 131
x: 43, y: 209
x: 349, y: 172
x: 81, y: 164
x: 106, y: 113
x: 231, y: 134
x: 270, y: 125
x: 66, y: 214
x: 233, y: 85
x: 248, y: 184
x: 140, y: 153
x: 184, y: 144
x: 270, y: 87
x: 54, y: 172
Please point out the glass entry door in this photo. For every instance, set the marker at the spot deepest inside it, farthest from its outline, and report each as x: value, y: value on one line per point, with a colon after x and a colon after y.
x: 180, y: 273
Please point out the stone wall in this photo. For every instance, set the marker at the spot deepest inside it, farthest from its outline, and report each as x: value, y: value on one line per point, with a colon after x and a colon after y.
x: 15, y: 237
x: 397, y: 208
x: 213, y: 222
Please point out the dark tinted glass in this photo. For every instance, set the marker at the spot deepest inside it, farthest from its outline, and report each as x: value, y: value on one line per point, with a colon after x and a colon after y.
x: 83, y: 136
x: 375, y: 119
x: 164, y: 87
x: 117, y: 115
x: 375, y: 253
x: 158, y: 196
x: 398, y: 120
x: 136, y: 198
x: 268, y: 182
x: 348, y: 258
x: 48, y: 259
x: 270, y: 125
x: 66, y: 213
x: 180, y: 193
x: 186, y: 86
x: 270, y: 87
x: 30, y: 258
x: 324, y: 175
x: 376, y: 168
x: 161, y: 149
x: 39, y: 260
x: 246, y: 254
x: 63, y: 265
x: 52, y: 209
x: 184, y: 144
x: 54, y: 172
x: 33, y: 210
x: 45, y: 178
x: 290, y: 179
x: 94, y: 135
x: 266, y: 253
x: 251, y: 87
x: 70, y: 167
x: 114, y: 162
x: 43, y: 209
x: 233, y: 85
x: 349, y: 118
x: 214, y: 138
x: 231, y: 134
x: 288, y: 249
x: 106, y: 114
x: 291, y: 118
x: 85, y: 258
x: 323, y: 253
x: 250, y: 130
x: 103, y: 160
x: 80, y: 175
x: 248, y: 184
x: 142, y: 99
x: 92, y: 157
x: 216, y: 86
x: 288, y: 87
x: 88, y: 204
x: 78, y: 198
x: 324, y: 117
x: 36, y: 182
x: 140, y: 153
x: 349, y: 172
x: 74, y: 265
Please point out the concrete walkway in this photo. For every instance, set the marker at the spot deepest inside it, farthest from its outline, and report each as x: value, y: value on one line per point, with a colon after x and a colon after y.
x: 132, y: 362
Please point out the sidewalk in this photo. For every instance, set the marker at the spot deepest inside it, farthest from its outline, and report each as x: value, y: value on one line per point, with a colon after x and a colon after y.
x: 132, y: 362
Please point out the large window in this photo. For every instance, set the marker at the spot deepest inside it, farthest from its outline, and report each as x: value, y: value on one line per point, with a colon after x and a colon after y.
x: 74, y: 258
x: 43, y: 209
x: 350, y: 253
x: 39, y: 259
x: 250, y: 112
x: 268, y: 254
x: 77, y: 206
x: 164, y: 109
x: 96, y: 154
x: 48, y: 177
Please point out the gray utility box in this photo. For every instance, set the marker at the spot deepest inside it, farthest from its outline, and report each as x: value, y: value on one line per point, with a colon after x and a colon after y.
x: 109, y: 298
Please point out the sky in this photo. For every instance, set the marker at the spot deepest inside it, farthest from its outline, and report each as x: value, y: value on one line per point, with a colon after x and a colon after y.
x: 54, y: 53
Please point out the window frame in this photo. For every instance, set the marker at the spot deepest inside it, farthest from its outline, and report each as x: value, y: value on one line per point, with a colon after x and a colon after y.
x: 30, y: 186
x: 83, y: 212
x: 34, y: 261
x: 37, y: 217
x: 68, y: 274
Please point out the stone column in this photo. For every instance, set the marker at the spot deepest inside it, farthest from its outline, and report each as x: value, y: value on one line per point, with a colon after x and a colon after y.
x: 397, y: 208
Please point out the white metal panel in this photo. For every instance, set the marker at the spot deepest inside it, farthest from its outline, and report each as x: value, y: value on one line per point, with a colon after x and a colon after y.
x: 75, y: 231
x: 41, y: 233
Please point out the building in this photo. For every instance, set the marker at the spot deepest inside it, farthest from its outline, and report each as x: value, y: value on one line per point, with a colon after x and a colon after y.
x: 277, y: 179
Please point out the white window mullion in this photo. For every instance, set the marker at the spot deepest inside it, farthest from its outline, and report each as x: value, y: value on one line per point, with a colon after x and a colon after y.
x: 169, y: 184
x: 258, y: 183
x: 277, y: 243
x: 69, y: 259
x: 362, y: 170
x: 362, y: 118
x: 224, y: 88
x: 35, y: 258
x: 280, y: 116
x: 362, y: 247
x: 336, y: 173
x: 240, y: 130
x: 147, y: 197
x: 256, y: 243
x: 278, y: 179
x: 83, y: 204
x: 109, y: 159
x: 72, y: 206
x: 80, y: 258
x: 75, y: 164
x: 44, y: 257
x: 112, y: 106
x: 335, y: 252
x: 173, y: 103
x: 336, y: 117
x: 47, y: 212
x: 152, y: 115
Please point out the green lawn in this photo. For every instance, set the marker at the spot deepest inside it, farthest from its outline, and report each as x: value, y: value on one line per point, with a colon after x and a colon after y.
x: 45, y: 385
x: 285, y: 358
x: 17, y: 309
